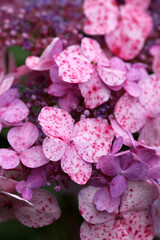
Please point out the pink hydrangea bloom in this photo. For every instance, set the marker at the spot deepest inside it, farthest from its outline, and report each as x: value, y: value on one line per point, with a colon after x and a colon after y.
x: 21, y: 139
x: 12, y: 109
x: 42, y: 210
x: 88, y: 66
x: 155, y: 52
x: 131, y: 221
x: 134, y: 113
x: 125, y: 27
x: 76, y: 145
x: 46, y: 61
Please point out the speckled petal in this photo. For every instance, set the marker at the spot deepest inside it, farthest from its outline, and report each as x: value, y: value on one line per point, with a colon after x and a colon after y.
x: 93, y: 52
x: 150, y: 133
x: 78, y: 170
x: 128, y: 38
x: 104, y: 201
x: 33, y: 157
x: 44, y: 212
x: 103, y: 15
x: 56, y: 122
x: 130, y: 114
x: 6, y: 82
x: 46, y: 60
x: 112, y: 77
x: 138, y: 196
x: 138, y: 225
x: 23, y: 137
x: 94, y: 91
x: 132, y: 88
x: 73, y: 66
x: 87, y: 207
x: 9, y: 159
x: 54, y: 148
x: 14, y: 112
x: 92, y: 139
x: 141, y: 4
x: 150, y: 95
x: 112, y: 230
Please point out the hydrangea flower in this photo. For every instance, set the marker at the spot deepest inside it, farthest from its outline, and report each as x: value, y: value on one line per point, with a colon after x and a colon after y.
x: 42, y: 210
x: 21, y: 139
x: 128, y: 29
x: 132, y: 221
x: 155, y: 52
x: 12, y: 109
x: 76, y: 145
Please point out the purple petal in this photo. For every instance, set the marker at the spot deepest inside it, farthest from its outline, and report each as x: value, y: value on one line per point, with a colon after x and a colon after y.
x: 117, y: 145
x: 21, y: 186
x: 136, y: 171
x: 34, y: 181
x: 118, y: 186
x: 109, y: 165
x: 104, y: 201
x: 126, y: 160
x: 27, y: 193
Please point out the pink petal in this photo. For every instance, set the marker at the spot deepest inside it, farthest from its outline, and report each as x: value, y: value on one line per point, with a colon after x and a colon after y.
x: 45, y: 61
x: 7, y: 184
x: 128, y: 38
x: 14, y: 112
x: 118, y: 186
x: 54, y: 148
x: 21, y: 186
x: 87, y: 207
x: 138, y: 225
x: 21, y: 71
x: 93, y: 52
x: 120, y: 132
x: 129, y: 113
x: 117, y: 145
x: 150, y: 95
x: 132, y: 88
x: 57, y: 89
x: 33, y: 157
x: 34, y: 181
x: 44, y: 212
x: 117, y: 64
x: 56, y: 122
x: 111, y: 230
x: 8, y: 159
x: 6, y: 82
x: 69, y: 102
x: 27, y: 193
x: 73, y: 66
x: 103, y: 15
x: 23, y: 137
x: 138, y: 196
x: 78, y: 170
x: 8, y: 97
x: 104, y: 201
x: 53, y: 72
x: 112, y: 77
x: 94, y: 91
x: 150, y: 133
x: 141, y: 4
x: 92, y: 139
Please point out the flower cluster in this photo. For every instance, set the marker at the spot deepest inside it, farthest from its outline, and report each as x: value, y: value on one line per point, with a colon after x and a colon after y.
x: 85, y: 110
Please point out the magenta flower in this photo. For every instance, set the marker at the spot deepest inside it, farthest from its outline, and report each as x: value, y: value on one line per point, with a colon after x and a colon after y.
x: 134, y: 113
x: 34, y: 181
x: 42, y: 210
x: 21, y: 139
x: 131, y: 221
x: 76, y: 145
x: 120, y: 168
x: 126, y: 28
x: 12, y: 109
x: 155, y: 52
x: 141, y: 4
x: 88, y: 66
x: 155, y: 210
x: 46, y: 61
